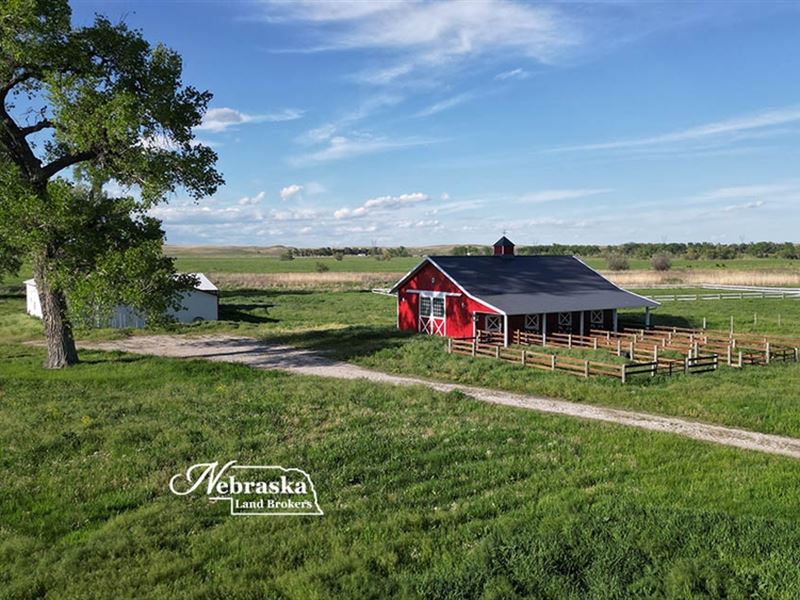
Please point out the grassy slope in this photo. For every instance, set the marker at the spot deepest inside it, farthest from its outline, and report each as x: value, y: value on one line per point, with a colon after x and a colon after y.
x: 425, y: 494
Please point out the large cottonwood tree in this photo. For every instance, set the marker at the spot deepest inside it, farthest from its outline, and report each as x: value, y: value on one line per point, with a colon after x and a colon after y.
x: 88, y: 104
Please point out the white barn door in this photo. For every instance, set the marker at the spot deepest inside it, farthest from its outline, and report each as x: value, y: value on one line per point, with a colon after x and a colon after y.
x: 432, y: 314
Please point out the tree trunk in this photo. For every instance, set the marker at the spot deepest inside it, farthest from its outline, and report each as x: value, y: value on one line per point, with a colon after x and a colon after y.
x: 61, y: 351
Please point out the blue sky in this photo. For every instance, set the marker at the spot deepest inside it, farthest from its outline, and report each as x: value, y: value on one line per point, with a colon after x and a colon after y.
x: 415, y: 123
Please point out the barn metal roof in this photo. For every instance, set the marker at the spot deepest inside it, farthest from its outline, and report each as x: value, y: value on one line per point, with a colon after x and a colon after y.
x: 534, y: 284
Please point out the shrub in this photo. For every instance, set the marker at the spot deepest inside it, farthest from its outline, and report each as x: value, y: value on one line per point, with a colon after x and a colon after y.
x: 660, y: 262
x: 618, y: 262
x: 338, y: 255
x: 322, y: 268
x: 288, y: 255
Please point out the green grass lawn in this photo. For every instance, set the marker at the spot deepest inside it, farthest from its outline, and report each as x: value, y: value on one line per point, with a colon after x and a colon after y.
x: 767, y: 315
x: 360, y: 327
x: 425, y: 495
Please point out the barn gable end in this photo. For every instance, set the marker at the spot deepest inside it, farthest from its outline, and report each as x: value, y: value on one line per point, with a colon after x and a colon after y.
x: 427, y: 280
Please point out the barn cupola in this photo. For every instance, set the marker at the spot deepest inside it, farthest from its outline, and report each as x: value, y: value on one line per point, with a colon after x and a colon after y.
x: 503, y: 247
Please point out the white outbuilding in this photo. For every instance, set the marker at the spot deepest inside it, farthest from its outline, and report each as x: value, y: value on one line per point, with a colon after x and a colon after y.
x: 201, y: 304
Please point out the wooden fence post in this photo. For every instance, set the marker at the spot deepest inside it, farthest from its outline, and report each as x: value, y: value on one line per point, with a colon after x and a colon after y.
x: 552, y: 362
x: 544, y: 340
x: 631, y: 350
x: 594, y: 342
x: 623, y: 373
x: 730, y: 355
x: 740, y: 359
x: 686, y: 365
x: 704, y: 322
x: 766, y: 352
x: 586, y: 369
x: 797, y: 355
x: 569, y: 340
x: 474, y: 344
x: 655, y: 352
x: 619, y: 347
x: 523, y: 356
x: 497, y: 351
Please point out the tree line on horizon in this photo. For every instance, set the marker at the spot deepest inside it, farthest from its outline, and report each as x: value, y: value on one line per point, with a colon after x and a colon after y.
x: 635, y: 250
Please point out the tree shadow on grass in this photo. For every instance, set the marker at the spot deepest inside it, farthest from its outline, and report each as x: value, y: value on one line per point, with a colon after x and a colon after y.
x: 345, y: 343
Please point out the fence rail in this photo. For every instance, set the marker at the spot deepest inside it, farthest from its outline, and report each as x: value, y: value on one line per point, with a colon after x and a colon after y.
x: 723, y: 296
x: 577, y: 366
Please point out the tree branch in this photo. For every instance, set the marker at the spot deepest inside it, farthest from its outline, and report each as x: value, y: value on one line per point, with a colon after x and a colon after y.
x: 43, y: 124
x: 14, y: 81
x: 57, y: 165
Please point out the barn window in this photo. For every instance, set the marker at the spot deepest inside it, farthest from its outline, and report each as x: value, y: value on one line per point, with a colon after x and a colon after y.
x: 596, y: 317
x: 493, y: 323
x: 425, y: 306
x: 438, y: 307
x: 532, y: 322
x: 565, y: 321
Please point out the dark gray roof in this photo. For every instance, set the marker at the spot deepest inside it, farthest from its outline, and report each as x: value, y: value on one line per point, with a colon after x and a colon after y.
x: 504, y: 242
x: 530, y: 284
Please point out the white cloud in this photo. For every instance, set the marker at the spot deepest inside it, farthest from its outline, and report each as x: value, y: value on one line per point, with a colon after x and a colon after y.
x: 432, y: 34
x: 220, y: 119
x: 518, y: 73
x: 340, y: 147
x: 380, y: 203
x: 747, y: 191
x: 290, y: 190
x: 743, y: 206
x: 445, y: 104
x: 558, y: 195
x: 250, y: 200
x: 716, y: 129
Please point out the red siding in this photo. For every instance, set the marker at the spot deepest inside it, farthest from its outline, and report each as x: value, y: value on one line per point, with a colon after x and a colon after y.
x: 458, y: 309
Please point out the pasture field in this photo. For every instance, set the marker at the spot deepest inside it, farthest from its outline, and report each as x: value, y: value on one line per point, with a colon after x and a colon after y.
x: 425, y: 494
x: 359, y: 327
x: 247, y: 260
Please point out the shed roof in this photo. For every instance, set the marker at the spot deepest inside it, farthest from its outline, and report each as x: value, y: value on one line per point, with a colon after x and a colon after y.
x: 534, y: 284
x: 203, y: 283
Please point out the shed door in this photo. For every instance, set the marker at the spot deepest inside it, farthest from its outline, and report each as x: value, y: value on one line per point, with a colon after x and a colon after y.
x: 432, y: 314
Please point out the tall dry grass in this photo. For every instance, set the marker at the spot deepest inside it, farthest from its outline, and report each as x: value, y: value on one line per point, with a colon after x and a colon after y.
x: 772, y: 277
x: 351, y: 280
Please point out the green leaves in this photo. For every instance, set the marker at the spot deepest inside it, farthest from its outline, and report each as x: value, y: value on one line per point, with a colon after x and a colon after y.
x: 113, y: 107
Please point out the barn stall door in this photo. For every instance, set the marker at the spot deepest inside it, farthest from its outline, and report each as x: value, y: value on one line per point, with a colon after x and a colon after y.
x: 432, y: 314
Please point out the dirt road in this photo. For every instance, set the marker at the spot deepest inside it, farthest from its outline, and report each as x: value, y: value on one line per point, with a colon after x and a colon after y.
x: 262, y: 355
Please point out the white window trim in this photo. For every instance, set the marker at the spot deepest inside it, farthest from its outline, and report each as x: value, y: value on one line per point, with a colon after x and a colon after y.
x: 533, y: 322
x: 429, y: 323
x: 495, y: 319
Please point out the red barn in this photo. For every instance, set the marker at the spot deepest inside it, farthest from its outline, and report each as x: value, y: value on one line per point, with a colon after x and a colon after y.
x: 456, y: 296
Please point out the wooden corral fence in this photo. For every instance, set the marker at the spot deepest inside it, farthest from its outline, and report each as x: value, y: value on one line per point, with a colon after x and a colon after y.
x: 577, y: 366
x: 739, y: 348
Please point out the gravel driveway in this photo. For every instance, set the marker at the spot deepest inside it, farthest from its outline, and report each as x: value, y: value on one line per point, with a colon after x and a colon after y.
x: 263, y: 355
